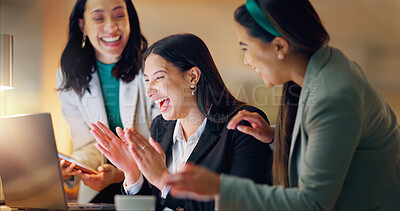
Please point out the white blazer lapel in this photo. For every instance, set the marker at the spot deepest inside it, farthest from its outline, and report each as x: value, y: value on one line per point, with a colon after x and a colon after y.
x: 93, y: 102
x: 128, y: 94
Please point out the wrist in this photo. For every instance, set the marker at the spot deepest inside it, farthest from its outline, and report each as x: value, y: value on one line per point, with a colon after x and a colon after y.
x: 160, y: 183
x: 217, y: 187
x: 131, y: 178
x: 270, y: 135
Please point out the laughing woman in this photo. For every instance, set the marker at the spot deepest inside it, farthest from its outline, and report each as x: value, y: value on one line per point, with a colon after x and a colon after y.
x: 195, y: 105
x: 101, y: 80
x: 345, y: 147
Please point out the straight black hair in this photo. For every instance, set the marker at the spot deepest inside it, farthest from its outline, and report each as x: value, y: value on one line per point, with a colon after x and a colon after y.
x: 185, y: 51
x: 300, y: 25
x: 78, y: 64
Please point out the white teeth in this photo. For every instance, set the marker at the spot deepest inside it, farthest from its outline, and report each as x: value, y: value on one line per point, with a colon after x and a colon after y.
x: 160, y: 100
x: 111, y: 39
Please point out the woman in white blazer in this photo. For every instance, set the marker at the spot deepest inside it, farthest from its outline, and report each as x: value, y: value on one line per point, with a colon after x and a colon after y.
x: 100, y: 80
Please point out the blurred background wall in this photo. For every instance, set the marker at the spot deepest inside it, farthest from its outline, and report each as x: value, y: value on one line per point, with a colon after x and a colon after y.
x: 367, y: 31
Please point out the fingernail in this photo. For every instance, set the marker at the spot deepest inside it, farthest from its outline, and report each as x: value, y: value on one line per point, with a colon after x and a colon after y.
x: 239, y: 127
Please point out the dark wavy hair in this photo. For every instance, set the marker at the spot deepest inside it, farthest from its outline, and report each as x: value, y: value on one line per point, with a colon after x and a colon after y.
x: 78, y: 64
x: 301, y: 26
x: 185, y: 51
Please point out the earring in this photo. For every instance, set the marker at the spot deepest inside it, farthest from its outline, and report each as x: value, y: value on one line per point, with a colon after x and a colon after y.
x: 83, y: 41
x: 193, y: 88
x: 280, y: 56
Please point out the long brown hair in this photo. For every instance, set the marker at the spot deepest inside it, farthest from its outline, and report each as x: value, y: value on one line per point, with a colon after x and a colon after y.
x: 283, y: 132
x: 301, y: 26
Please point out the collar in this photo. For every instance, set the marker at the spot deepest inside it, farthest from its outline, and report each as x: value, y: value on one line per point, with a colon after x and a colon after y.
x: 178, y: 131
x: 317, y: 61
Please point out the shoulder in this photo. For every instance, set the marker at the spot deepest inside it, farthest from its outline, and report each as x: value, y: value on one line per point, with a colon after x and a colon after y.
x: 59, y: 78
x: 253, y: 109
x: 245, y: 143
x: 339, y: 78
x: 339, y: 87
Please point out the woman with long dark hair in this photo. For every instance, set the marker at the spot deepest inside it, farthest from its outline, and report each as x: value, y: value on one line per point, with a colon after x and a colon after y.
x: 195, y: 106
x: 337, y: 142
x: 101, y: 80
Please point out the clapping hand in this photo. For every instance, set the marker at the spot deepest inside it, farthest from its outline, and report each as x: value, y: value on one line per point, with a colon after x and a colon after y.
x: 114, y: 148
x: 149, y: 156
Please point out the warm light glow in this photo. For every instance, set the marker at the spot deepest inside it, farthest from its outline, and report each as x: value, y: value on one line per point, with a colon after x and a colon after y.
x: 5, y: 88
x: 15, y: 115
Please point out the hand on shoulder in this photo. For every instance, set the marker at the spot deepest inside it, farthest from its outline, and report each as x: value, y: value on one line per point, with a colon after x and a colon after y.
x: 259, y: 128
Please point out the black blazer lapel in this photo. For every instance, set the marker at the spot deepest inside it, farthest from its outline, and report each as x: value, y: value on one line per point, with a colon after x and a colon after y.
x: 166, y: 141
x: 207, y: 140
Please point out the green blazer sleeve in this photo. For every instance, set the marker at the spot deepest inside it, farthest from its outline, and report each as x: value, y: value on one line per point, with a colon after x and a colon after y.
x: 328, y: 157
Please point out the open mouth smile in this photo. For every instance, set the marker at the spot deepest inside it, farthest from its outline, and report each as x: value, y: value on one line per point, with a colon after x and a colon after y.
x: 111, y: 39
x: 163, y: 103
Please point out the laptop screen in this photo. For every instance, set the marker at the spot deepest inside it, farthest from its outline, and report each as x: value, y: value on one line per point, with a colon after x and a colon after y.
x: 29, y: 166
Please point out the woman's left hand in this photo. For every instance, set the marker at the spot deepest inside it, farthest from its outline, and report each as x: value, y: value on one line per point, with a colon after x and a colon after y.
x: 149, y: 157
x: 108, y: 174
x: 194, y: 182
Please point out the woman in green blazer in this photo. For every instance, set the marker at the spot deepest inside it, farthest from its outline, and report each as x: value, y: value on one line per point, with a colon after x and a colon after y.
x: 344, y: 145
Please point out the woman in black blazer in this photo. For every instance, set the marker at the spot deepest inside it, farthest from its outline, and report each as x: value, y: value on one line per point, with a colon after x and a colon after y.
x: 195, y: 106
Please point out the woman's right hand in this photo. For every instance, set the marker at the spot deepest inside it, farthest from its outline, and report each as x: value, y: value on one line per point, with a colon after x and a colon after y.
x: 67, y: 170
x: 114, y: 148
x: 194, y: 182
x: 259, y: 127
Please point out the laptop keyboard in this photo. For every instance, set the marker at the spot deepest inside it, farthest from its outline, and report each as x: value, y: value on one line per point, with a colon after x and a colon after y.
x: 91, y: 206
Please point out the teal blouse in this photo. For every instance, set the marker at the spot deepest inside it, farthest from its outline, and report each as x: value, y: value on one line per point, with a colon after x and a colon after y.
x: 110, y: 90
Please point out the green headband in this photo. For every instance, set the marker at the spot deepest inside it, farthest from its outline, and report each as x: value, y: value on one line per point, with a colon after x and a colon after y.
x: 259, y: 16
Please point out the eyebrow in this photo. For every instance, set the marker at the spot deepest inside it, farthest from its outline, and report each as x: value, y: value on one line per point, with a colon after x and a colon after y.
x: 158, y: 71
x: 101, y: 10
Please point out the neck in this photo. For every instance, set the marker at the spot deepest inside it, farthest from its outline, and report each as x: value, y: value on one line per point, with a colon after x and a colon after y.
x: 298, y: 64
x: 106, y: 59
x: 191, y: 123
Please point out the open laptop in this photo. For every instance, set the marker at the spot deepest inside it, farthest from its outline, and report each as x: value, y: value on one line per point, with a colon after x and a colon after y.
x: 29, y: 165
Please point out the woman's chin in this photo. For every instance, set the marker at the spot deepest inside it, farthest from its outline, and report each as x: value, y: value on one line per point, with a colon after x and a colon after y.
x: 167, y: 116
x: 268, y: 84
